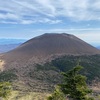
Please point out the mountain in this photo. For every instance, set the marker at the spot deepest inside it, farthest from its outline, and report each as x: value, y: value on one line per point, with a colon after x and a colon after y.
x: 31, y: 66
x: 52, y: 44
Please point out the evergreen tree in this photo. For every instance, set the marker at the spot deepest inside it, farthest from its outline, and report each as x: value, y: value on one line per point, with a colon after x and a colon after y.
x: 75, y: 85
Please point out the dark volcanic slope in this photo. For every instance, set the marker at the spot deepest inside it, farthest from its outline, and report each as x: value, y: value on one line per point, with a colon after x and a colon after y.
x: 51, y: 44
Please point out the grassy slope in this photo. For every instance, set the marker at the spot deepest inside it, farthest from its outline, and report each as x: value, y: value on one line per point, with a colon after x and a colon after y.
x: 18, y: 95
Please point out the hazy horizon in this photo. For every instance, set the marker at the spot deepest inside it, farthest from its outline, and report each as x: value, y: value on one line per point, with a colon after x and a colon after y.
x: 5, y: 41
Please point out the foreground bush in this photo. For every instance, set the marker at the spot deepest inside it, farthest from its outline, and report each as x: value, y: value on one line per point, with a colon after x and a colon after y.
x: 57, y: 95
x: 5, y: 89
x: 74, y: 86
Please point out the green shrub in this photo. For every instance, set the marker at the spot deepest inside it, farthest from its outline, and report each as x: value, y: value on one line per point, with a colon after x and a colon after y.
x: 75, y: 85
x: 5, y: 89
x: 57, y: 94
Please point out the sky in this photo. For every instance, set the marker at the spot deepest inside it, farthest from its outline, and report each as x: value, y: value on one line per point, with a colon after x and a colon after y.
x: 25, y: 19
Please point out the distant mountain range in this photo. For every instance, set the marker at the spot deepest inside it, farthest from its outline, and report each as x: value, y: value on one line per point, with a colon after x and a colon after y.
x: 29, y: 64
x: 11, y: 41
x: 8, y: 47
x: 9, y: 44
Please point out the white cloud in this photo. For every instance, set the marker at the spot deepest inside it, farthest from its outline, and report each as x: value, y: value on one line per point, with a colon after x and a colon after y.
x: 9, y: 16
x: 47, y: 7
x: 44, y: 20
x: 51, y: 9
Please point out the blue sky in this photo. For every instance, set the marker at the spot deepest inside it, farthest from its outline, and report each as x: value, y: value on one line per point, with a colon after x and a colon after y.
x: 26, y: 19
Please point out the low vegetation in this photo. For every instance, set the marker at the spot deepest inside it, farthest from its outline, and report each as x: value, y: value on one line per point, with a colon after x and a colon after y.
x: 49, y: 75
x: 19, y: 95
x: 90, y: 63
x: 5, y: 89
x: 57, y: 94
x: 74, y: 86
x: 8, y: 75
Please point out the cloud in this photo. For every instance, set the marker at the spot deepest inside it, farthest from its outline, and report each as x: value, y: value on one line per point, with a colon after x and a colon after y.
x: 81, y: 10
x: 40, y: 20
x: 30, y: 11
x: 9, y: 16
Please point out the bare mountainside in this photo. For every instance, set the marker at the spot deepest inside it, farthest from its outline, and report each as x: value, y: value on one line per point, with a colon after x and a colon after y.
x: 20, y: 64
x: 51, y: 44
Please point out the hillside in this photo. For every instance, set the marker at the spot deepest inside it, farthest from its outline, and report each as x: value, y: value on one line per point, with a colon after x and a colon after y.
x: 35, y: 65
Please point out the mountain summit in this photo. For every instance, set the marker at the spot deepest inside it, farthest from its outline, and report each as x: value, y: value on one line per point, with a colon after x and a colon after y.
x: 47, y: 46
x: 52, y: 44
